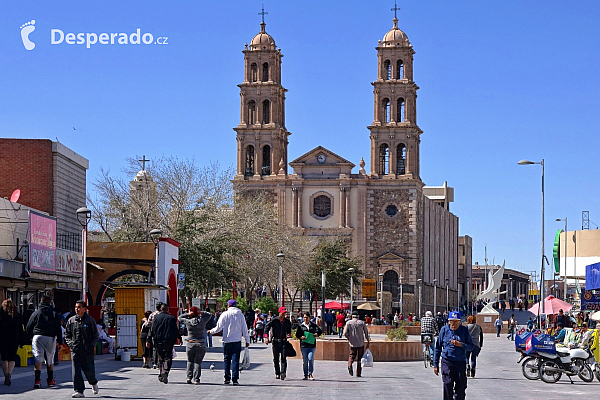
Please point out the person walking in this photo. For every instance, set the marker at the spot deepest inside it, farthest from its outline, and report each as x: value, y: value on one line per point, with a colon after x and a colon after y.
x: 259, y: 327
x: 340, y: 321
x: 195, y: 321
x: 145, y: 339
x: 307, y: 332
x: 477, y: 337
x: 278, y: 331
x: 356, y: 332
x: 165, y: 334
x: 81, y: 336
x: 512, y: 325
x: 44, y: 327
x: 233, y: 325
x: 454, y: 341
x: 329, y: 322
x: 148, y: 324
x: 209, y: 325
x: 498, y: 324
x: 11, y: 338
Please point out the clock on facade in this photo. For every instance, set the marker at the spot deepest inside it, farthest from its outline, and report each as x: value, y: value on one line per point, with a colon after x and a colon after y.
x: 321, y: 158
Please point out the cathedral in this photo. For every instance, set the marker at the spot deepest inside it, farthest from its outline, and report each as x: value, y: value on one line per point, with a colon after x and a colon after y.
x: 403, y: 231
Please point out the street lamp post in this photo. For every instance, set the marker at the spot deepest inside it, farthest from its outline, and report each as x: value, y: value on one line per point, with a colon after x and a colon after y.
x: 351, y: 270
x: 401, y: 295
x: 434, y: 297
x: 420, y: 282
x: 83, y: 216
x: 565, y: 276
x: 155, y: 235
x: 447, y: 298
x: 381, y: 293
x: 323, y: 328
x: 280, y: 259
x: 543, y: 270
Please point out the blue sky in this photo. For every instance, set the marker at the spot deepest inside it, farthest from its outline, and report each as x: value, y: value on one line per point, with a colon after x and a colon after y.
x: 499, y: 81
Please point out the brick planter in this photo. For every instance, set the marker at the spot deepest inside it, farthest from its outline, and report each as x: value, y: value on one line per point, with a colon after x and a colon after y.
x: 337, y: 350
x: 382, y: 329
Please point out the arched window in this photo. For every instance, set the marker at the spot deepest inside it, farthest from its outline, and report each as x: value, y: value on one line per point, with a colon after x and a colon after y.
x: 390, y: 283
x: 251, y: 112
x: 387, y: 69
x: 249, y: 161
x: 265, y: 74
x: 266, y: 118
x: 266, y: 161
x: 386, y: 109
x: 253, y: 72
x: 401, y: 157
x: 399, y: 69
x: 400, y: 114
x: 384, y: 159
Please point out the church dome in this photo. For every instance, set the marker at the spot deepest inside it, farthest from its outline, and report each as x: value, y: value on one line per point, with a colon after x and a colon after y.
x: 262, y: 40
x: 395, y: 37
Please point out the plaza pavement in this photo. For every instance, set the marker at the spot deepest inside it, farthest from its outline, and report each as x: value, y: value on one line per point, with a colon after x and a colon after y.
x: 498, y: 377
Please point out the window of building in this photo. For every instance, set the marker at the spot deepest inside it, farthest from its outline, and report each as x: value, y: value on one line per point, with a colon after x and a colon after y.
x: 251, y: 112
x: 384, y: 159
x: 401, y: 157
x: 386, y: 110
x: 391, y: 210
x: 400, y: 110
x: 253, y: 72
x: 266, y: 119
x: 265, y: 72
x: 266, y: 160
x: 387, y: 69
x: 399, y: 70
x: 322, y: 206
x: 249, y: 161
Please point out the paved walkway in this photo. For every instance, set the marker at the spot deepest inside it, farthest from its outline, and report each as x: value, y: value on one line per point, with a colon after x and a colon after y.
x: 498, y: 377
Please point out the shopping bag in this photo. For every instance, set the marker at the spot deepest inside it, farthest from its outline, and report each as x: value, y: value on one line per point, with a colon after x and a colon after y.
x: 367, y: 359
x: 245, y: 364
x: 289, y: 350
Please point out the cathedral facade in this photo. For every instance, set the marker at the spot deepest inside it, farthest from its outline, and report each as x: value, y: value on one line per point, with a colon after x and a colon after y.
x: 407, y: 240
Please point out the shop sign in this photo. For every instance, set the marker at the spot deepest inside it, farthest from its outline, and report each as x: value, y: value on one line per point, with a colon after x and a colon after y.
x: 69, y: 262
x: 68, y: 285
x: 42, y: 242
x: 368, y: 288
x: 590, y: 300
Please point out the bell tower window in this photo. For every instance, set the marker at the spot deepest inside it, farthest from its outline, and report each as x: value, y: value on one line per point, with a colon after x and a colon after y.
x: 251, y: 112
x: 387, y: 69
x: 265, y: 72
x: 399, y: 70
x: 249, y: 171
x: 401, y: 157
x: 266, y: 160
x: 384, y: 159
x: 253, y: 72
x: 386, y: 110
x: 400, y: 110
x: 266, y: 117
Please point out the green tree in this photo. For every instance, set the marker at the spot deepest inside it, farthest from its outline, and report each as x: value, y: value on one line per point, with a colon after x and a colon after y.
x: 242, y: 304
x: 267, y: 304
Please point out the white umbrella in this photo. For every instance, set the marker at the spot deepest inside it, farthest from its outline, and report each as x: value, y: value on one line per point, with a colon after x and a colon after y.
x: 595, y: 316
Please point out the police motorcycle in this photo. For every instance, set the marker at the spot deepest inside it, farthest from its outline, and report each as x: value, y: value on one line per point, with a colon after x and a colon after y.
x: 565, y: 361
x: 529, y: 360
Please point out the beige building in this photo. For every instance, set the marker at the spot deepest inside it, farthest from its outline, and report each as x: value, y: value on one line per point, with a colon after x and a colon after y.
x: 385, y: 212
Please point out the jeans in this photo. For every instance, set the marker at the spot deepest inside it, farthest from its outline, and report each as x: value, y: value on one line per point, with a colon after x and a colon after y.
x: 340, y: 331
x: 83, y: 362
x: 308, y: 359
x: 454, y: 376
x: 431, y: 346
x: 472, y: 356
x: 279, y: 352
x: 195, y: 354
x: 498, y: 329
x: 207, y: 338
x: 231, y: 357
x: 511, y: 334
x: 165, y: 358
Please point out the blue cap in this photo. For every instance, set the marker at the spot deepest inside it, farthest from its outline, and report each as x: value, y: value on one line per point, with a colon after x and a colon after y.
x: 454, y: 316
x: 232, y: 303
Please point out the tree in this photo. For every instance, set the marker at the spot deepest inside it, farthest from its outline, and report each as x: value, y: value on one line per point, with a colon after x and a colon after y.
x: 267, y: 304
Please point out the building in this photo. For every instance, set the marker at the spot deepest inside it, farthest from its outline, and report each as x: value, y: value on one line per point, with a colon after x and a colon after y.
x: 465, y: 275
x: 515, y: 283
x: 385, y: 213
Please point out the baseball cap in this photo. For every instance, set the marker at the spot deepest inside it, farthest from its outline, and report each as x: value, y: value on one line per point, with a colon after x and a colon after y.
x: 454, y: 316
x: 232, y: 303
x: 282, y: 310
x: 428, y: 314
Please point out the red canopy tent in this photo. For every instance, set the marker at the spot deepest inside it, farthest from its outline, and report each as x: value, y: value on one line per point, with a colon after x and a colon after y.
x: 334, y: 305
x: 551, y: 305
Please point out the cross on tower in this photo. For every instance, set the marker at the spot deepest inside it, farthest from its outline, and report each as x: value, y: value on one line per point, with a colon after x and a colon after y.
x: 143, y: 161
x: 395, y: 9
x: 263, y: 13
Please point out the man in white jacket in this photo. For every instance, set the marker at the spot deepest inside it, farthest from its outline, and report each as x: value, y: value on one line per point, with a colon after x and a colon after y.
x: 233, y: 325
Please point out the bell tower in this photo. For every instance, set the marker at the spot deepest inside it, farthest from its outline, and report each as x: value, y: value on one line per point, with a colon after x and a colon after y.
x: 262, y: 138
x: 395, y: 136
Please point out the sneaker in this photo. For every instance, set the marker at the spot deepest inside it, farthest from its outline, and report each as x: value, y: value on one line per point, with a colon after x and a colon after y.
x: 165, y: 379
x: 154, y: 366
x: 283, y: 376
x: 358, y: 375
x: 473, y: 373
x: 350, y: 371
x: 196, y: 382
x: 310, y: 377
x: 95, y: 389
x: 226, y: 382
x: 277, y: 377
x: 77, y: 395
x: 189, y: 381
x: 51, y: 382
x: 160, y: 378
x: 305, y: 378
x: 235, y: 383
x: 37, y: 384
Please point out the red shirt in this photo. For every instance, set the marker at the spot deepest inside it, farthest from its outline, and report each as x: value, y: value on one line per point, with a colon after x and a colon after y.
x: 340, y: 320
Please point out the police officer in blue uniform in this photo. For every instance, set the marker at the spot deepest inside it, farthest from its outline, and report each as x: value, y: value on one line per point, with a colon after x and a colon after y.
x: 452, y: 346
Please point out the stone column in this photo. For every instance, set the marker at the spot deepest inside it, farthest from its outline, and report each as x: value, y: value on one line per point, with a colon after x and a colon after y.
x: 342, y: 207
x: 295, y: 207
x: 299, y: 190
x: 347, y: 218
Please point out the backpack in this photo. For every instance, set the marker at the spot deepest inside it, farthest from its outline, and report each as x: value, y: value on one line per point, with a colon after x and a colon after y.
x: 260, y: 324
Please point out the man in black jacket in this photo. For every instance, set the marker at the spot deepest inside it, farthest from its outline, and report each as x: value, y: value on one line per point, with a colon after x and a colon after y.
x: 44, y: 327
x: 165, y: 333
x: 278, y: 331
x: 81, y: 336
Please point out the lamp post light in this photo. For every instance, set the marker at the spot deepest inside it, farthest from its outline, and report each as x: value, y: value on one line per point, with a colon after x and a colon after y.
x: 280, y: 259
x: 543, y: 270
x: 155, y: 234
x: 351, y: 270
x: 323, y: 278
x: 565, y: 276
x: 83, y: 216
x: 434, y: 297
x: 402, y: 295
x: 447, y: 298
x: 420, y: 282
x: 381, y: 293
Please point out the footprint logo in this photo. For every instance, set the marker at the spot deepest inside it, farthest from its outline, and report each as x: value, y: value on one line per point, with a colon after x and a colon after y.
x: 26, y: 29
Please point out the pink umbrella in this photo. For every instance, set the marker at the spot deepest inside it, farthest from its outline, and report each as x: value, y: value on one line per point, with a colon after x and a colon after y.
x: 551, y: 305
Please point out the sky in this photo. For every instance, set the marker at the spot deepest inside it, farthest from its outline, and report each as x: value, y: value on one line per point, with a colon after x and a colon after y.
x: 500, y: 81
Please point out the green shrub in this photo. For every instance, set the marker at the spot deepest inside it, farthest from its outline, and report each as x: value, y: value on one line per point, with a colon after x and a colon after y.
x: 397, y: 335
x: 242, y: 304
x: 266, y: 304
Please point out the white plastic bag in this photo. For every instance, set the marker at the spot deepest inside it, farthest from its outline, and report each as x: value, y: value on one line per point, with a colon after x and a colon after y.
x: 367, y: 359
x: 245, y: 364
